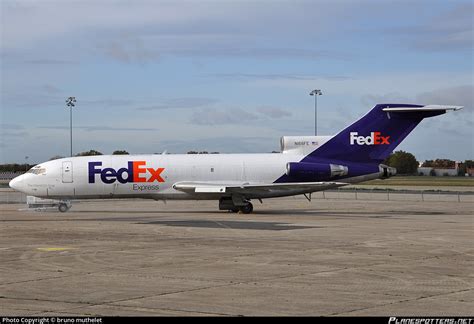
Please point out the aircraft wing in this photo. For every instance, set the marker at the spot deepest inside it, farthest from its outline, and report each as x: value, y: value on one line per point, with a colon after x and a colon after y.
x: 255, y: 189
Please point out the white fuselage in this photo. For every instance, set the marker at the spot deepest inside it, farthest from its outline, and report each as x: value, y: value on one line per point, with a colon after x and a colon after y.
x: 56, y: 182
x: 71, y: 178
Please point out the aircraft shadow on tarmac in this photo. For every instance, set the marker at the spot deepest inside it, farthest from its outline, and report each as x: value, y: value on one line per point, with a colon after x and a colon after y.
x: 245, y: 225
x: 269, y: 212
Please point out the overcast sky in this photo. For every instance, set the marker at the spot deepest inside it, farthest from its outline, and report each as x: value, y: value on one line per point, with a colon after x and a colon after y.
x: 228, y: 76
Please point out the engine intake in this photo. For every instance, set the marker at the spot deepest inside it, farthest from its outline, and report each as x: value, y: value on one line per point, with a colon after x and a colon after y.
x: 315, y: 171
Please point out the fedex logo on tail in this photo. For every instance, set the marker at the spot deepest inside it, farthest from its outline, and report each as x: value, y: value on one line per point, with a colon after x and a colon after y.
x: 375, y: 138
x: 135, y: 172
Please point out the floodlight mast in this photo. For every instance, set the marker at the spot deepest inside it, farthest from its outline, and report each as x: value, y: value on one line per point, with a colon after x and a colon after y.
x: 316, y: 93
x: 70, y: 102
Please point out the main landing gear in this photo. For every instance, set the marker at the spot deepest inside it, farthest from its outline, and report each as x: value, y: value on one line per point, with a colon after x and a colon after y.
x: 247, y: 209
x: 235, y: 205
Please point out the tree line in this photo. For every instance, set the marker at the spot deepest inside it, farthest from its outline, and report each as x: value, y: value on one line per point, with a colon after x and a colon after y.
x: 406, y: 163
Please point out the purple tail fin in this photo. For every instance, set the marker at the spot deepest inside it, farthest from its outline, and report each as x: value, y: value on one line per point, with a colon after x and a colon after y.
x: 373, y: 137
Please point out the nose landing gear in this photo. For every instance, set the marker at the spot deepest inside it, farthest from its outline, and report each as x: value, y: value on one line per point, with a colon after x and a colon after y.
x: 64, y: 206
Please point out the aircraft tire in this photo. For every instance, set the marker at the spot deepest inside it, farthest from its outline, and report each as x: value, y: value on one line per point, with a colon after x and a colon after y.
x: 63, y: 208
x: 247, y: 209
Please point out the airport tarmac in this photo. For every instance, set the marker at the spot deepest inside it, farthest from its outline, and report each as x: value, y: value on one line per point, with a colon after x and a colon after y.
x: 290, y: 257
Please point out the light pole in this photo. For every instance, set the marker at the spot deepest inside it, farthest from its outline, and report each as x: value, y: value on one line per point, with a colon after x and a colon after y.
x: 71, y: 102
x: 315, y: 93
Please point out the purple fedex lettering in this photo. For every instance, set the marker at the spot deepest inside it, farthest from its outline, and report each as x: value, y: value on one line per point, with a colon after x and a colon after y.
x: 125, y: 175
x: 93, y: 171
x: 109, y: 175
x: 129, y: 172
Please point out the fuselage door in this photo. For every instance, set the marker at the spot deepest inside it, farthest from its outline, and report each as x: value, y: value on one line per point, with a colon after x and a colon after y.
x: 67, y: 172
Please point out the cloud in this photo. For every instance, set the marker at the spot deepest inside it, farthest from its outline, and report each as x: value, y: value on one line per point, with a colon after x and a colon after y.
x: 213, y: 116
x: 51, y: 96
x: 129, y: 50
x: 457, y: 96
x: 261, y: 53
x: 449, y: 31
x: 138, y: 47
x: 32, y: 100
x: 180, y: 103
x: 274, y: 51
x: 121, y: 129
x: 109, y: 102
x: 146, y: 31
x: 11, y: 126
x: 226, y: 144
x: 49, y: 62
x: 275, y: 76
x: 392, y: 97
x: 460, y: 96
x: 50, y: 89
x: 273, y: 112
x: 16, y: 135
x: 100, y: 128
x: 13, y: 131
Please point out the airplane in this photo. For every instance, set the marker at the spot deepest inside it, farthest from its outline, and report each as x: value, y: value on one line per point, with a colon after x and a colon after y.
x: 305, y: 165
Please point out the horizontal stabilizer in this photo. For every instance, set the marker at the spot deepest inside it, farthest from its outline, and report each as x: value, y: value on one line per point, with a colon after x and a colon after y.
x: 423, y: 108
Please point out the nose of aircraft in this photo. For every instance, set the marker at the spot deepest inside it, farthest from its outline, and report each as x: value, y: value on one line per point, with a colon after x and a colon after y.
x: 16, y: 183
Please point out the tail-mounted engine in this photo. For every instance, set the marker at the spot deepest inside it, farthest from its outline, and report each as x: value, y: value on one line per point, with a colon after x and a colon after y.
x: 315, y: 171
x: 302, y: 144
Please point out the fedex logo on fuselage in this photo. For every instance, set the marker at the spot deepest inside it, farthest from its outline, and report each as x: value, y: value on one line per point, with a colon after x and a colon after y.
x: 375, y: 138
x: 135, y: 172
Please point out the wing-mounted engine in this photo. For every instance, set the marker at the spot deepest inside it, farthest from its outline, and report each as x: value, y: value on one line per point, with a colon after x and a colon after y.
x: 302, y: 144
x: 315, y: 171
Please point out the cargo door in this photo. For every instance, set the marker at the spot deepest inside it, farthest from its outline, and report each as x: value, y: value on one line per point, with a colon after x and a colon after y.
x: 67, y: 172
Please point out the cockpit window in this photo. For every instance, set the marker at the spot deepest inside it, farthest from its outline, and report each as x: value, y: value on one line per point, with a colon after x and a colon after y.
x: 37, y: 170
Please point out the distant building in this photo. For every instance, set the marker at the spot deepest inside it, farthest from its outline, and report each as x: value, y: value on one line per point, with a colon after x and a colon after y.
x: 451, y: 172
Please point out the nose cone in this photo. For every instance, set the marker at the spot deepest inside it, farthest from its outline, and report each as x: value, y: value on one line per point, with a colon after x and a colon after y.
x: 17, y: 183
